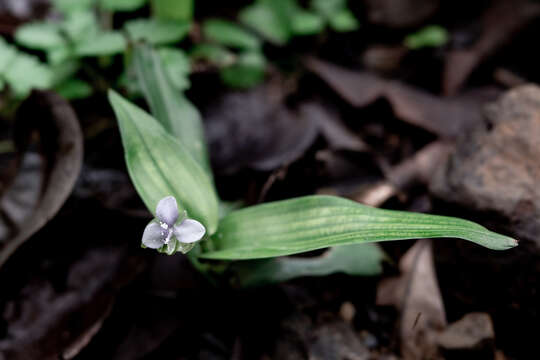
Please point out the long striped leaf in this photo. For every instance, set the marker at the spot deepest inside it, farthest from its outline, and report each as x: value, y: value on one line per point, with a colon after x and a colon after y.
x: 159, y: 165
x: 169, y: 106
x: 315, y: 222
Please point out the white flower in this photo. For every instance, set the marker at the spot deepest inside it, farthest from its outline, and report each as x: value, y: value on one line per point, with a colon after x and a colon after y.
x: 163, y: 232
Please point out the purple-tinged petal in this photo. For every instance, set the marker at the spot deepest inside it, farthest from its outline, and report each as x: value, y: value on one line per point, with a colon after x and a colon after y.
x: 189, y: 231
x: 154, y: 236
x: 167, y: 210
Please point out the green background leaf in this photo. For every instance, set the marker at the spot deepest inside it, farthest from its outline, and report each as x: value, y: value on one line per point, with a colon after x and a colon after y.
x: 80, y: 25
x: 121, y: 5
x: 101, y: 44
x: 69, y: 6
x: 229, y: 34
x: 306, y: 23
x: 429, y: 36
x: 159, y: 165
x: 315, y: 222
x: 177, y: 66
x: 328, y: 8
x: 74, y: 88
x: 22, y: 72
x: 269, y: 19
x: 214, y: 54
x: 354, y: 260
x: 344, y: 21
x: 247, y: 71
x: 173, y: 9
x: 39, y: 35
x: 157, y: 31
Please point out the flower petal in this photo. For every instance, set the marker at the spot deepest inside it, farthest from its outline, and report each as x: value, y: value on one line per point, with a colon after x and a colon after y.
x: 167, y: 210
x: 153, y: 236
x: 189, y: 231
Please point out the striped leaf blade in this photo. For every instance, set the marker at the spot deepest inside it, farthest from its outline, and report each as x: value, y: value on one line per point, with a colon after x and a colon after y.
x: 169, y: 106
x: 159, y: 165
x: 314, y: 222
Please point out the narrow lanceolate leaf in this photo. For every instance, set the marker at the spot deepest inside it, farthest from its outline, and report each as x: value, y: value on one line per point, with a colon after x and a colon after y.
x: 169, y: 106
x: 315, y: 222
x: 355, y: 260
x: 159, y: 165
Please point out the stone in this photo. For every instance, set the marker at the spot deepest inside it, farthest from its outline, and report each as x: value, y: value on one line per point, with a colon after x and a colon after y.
x: 495, y: 169
x: 471, y: 337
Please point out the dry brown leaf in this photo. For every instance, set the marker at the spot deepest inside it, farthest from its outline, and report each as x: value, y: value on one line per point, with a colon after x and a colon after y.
x: 255, y: 129
x: 446, y: 117
x: 416, y: 294
x: 472, y: 335
x: 47, y: 323
x: 417, y: 169
x: 332, y: 129
x: 499, y: 24
x: 43, y: 183
x: 400, y: 13
x: 333, y: 339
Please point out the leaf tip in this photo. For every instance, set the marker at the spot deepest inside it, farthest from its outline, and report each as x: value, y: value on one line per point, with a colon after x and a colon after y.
x: 513, y: 242
x: 111, y: 94
x: 507, y: 243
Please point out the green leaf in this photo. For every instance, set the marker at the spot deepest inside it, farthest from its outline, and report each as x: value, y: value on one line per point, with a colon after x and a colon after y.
x: 39, y: 35
x: 429, y: 36
x: 64, y: 71
x: 72, y: 89
x: 306, y: 23
x: 173, y: 9
x: 226, y: 207
x: 354, y: 260
x: 58, y: 39
x: 177, y: 66
x: 269, y: 19
x: 157, y: 31
x: 22, y: 72
x: 339, y: 17
x: 101, y: 44
x: 77, y: 28
x: 328, y: 8
x: 8, y: 54
x: 69, y: 6
x: 278, y: 20
x: 59, y: 55
x: 177, y: 115
x: 344, y: 21
x: 159, y: 165
x: 247, y: 72
x: 214, y: 54
x: 121, y: 5
x: 229, y: 34
x: 27, y: 73
x: 315, y: 222
x: 80, y: 25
